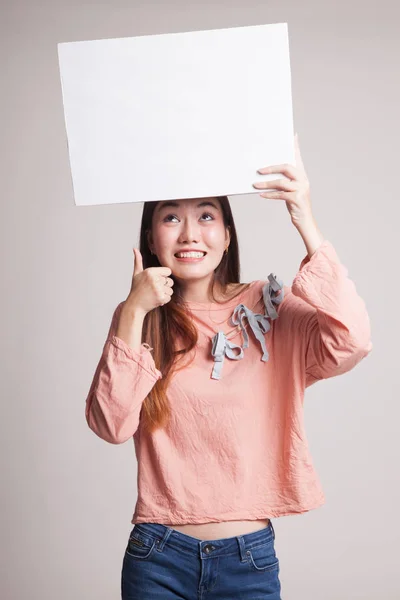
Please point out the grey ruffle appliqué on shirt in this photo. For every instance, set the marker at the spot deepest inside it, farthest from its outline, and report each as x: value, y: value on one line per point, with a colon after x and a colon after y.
x: 259, y: 324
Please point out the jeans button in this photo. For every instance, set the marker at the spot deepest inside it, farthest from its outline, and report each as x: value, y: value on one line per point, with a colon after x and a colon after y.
x: 208, y: 548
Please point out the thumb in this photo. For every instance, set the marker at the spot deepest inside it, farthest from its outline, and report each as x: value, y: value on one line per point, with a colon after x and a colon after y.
x: 299, y: 160
x: 138, y: 266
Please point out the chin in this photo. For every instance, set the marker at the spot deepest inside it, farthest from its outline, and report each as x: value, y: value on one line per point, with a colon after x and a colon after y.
x: 191, y: 276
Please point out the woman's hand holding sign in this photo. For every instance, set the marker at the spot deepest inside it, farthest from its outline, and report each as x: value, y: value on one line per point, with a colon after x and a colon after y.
x: 296, y: 192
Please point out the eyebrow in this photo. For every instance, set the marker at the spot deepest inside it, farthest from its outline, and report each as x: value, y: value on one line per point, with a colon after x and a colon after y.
x: 172, y: 204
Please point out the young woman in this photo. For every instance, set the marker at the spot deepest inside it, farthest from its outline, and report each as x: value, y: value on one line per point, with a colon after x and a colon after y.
x: 216, y: 418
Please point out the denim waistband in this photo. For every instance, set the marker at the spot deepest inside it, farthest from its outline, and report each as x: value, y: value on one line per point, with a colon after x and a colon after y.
x: 161, y: 533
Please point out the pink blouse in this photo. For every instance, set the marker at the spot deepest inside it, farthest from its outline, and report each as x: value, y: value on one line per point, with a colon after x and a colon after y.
x: 236, y: 446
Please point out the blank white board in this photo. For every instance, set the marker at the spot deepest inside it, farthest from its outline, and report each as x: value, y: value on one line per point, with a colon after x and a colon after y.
x: 177, y: 115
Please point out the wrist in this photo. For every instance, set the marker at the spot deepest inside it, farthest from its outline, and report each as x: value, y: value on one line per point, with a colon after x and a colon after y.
x: 311, y: 235
x: 132, y: 312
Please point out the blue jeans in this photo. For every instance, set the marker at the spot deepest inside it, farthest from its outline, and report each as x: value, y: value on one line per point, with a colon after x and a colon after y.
x: 161, y: 563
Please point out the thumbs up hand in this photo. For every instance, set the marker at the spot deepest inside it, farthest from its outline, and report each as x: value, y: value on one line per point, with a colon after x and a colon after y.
x: 150, y: 287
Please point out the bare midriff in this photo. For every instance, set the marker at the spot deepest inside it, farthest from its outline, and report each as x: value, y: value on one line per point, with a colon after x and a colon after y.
x: 224, y: 529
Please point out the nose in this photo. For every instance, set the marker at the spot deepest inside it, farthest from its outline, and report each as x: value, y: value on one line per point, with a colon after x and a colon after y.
x: 189, y: 232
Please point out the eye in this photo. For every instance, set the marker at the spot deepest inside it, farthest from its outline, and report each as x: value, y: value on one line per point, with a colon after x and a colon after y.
x: 174, y: 216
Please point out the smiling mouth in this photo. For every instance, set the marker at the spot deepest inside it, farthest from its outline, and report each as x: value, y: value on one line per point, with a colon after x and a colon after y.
x: 202, y: 253
x: 190, y: 258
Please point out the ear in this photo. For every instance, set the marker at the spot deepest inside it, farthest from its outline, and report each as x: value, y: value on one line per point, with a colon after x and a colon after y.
x: 228, y: 234
x: 149, y: 238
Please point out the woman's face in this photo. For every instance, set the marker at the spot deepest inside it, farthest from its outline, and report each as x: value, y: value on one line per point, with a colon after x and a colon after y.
x: 189, y: 224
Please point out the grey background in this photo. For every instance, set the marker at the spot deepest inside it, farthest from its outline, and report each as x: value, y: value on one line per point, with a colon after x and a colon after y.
x: 68, y: 496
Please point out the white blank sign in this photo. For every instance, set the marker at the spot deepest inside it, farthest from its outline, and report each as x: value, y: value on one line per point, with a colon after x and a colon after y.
x: 178, y: 115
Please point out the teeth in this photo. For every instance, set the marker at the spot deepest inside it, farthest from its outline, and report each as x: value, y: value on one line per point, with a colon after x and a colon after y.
x: 190, y: 254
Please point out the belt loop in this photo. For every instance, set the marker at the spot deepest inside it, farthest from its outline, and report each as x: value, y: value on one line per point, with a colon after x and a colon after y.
x: 272, y: 529
x: 163, y: 540
x: 242, y: 548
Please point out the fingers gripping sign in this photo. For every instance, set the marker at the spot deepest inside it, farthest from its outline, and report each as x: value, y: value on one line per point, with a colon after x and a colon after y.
x: 294, y: 188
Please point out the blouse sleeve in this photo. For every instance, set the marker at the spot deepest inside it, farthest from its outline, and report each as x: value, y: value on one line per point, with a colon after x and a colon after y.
x: 331, y: 317
x: 122, y: 380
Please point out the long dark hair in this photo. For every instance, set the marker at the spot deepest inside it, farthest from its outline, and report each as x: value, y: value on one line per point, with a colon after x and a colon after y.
x: 166, y: 324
